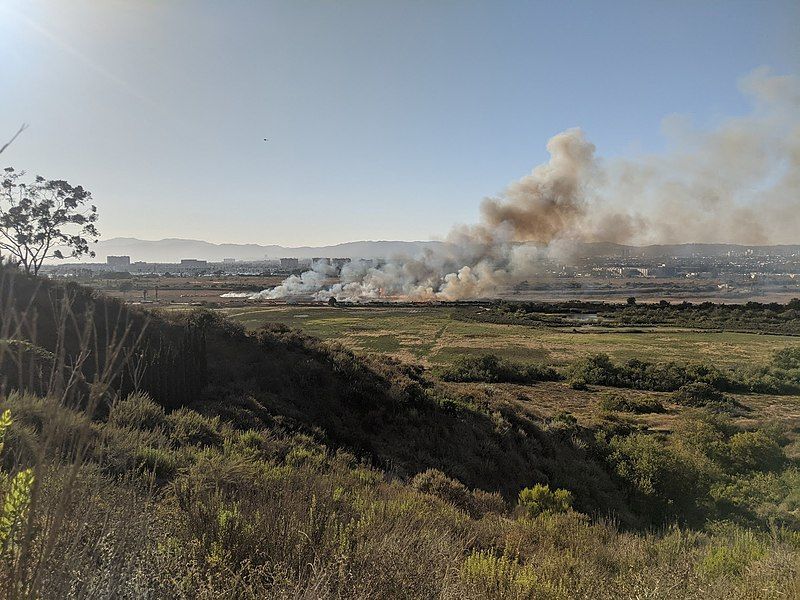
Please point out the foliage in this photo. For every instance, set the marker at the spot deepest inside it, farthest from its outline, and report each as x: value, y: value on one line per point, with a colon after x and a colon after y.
x: 15, y: 491
x: 752, y: 316
x: 599, y: 369
x: 734, y: 556
x: 489, y: 368
x: 541, y: 499
x: 640, y: 405
x: 474, y: 503
x: 41, y: 218
x: 499, y: 576
x: 137, y: 411
x: 187, y: 427
x: 299, y: 469
x: 755, y: 450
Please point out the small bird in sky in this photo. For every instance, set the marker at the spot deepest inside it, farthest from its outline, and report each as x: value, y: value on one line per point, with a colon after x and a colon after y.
x: 266, y: 140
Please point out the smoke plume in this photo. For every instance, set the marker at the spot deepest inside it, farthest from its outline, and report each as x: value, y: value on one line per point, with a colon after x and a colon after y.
x: 737, y: 183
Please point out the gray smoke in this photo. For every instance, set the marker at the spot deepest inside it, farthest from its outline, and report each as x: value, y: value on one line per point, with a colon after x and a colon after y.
x: 738, y: 183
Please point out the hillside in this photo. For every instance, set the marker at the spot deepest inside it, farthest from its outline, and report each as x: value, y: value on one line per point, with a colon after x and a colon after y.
x: 176, y: 455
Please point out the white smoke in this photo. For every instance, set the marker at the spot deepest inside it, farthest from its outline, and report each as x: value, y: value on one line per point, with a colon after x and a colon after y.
x: 304, y: 284
x: 738, y: 183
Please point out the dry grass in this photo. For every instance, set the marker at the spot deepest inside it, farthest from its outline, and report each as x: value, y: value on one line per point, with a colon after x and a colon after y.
x: 432, y: 336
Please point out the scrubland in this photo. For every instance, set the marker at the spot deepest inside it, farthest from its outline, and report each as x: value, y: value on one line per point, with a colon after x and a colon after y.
x: 183, y: 455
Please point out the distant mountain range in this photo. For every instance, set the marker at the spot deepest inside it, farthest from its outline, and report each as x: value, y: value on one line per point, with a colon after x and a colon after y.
x: 174, y: 249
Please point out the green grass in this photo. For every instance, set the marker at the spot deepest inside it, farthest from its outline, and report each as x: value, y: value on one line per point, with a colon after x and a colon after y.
x: 431, y: 335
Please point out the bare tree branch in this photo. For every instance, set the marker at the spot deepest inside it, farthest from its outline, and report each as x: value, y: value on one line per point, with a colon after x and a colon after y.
x: 22, y: 128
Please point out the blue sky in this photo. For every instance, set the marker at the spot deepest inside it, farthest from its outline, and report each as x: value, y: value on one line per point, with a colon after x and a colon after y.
x: 386, y: 120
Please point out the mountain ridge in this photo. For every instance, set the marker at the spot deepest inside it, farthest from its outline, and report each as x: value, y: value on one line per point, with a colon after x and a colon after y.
x: 175, y: 249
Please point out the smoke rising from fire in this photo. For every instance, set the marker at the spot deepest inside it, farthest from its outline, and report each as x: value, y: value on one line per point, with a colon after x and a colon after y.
x: 737, y: 183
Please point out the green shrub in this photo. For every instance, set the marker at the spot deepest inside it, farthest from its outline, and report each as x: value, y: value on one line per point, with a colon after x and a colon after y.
x: 189, y: 428
x: 489, y: 368
x: 578, y: 383
x: 436, y: 483
x: 617, y: 402
x: 306, y: 457
x: 732, y: 558
x: 474, y: 503
x: 703, y: 395
x: 697, y: 395
x: 488, y: 502
x: 787, y: 358
x: 755, y: 450
x: 499, y: 576
x: 564, y: 419
x: 137, y: 411
x: 541, y: 499
x: 163, y: 463
x: 772, y: 497
x: 15, y: 497
x: 668, y: 484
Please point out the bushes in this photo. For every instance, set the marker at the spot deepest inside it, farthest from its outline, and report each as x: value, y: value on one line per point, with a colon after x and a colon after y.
x: 598, y: 369
x: 753, y: 316
x: 15, y: 497
x: 617, y: 402
x: 137, y: 411
x: 697, y: 394
x: 187, y: 427
x: 474, y: 503
x: 541, y: 499
x: 491, y: 369
x: 667, y: 485
x: 499, y: 576
x: 732, y: 558
x: 702, y: 395
x: 787, y: 358
x: 706, y: 468
x: 269, y: 513
x: 773, y: 498
x: 755, y: 450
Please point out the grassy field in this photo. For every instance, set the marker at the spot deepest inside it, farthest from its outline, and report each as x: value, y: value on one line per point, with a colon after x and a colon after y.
x: 432, y: 336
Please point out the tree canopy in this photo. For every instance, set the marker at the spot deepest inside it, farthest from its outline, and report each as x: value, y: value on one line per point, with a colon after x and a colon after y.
x: 44, y: 219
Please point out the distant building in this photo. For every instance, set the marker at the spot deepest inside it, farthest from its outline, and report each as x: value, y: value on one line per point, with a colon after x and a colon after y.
x: 193, y: 263
x: 339, y: 262
x: 228, y: 261
x: 661, y: 271
x: 118, y: 262
x: 290, y: 263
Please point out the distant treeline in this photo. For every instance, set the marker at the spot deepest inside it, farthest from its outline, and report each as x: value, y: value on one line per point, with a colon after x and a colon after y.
x: 780, y: 376
x: 770, y: 317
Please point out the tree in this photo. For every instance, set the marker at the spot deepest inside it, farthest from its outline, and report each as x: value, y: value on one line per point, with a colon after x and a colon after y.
x: 631, y: 301
x: 44, y: 219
